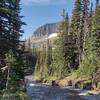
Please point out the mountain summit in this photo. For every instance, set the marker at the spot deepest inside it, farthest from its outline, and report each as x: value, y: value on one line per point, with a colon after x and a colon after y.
x: 46, y: 29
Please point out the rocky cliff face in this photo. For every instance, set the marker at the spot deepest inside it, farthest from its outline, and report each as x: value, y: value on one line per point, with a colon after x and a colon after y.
x: 46, y: 29
x: 41, y: 34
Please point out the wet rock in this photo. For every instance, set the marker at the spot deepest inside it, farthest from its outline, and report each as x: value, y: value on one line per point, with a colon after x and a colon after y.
x: 98, y: 86
x: 87, y: 85
x: 84, y: 84
x: 95, y: 85
x: 69, y: 83
x: 55, y: 83
x: 79, y: 84
x: 38, y: 81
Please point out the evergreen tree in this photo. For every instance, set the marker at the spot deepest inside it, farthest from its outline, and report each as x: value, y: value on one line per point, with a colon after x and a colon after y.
x: 90, y: 66
x: 10, y: 22
x: 41, y: 66
x: 85, y: 25
x: 88, y: 43
x: 96, y: 25
x: 48, y: 57
x: 96, y: 39
x: 10, y: 32
x: 75, y: 32
x: 4, y: 31
x: 90, y: 19
x: 63, y: 47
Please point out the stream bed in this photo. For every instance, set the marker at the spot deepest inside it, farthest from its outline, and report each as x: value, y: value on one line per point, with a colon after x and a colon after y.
x: 38, y: 91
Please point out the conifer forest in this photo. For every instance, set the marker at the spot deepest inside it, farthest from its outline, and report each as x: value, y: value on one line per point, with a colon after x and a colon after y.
x: 72, y: 58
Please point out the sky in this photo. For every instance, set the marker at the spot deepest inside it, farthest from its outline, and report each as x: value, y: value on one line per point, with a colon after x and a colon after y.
x: 39, y: 12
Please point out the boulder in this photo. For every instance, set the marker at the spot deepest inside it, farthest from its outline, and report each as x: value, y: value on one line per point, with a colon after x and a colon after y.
x: 98, y: 85
x: 79, y: 84
x: 38, y: 81
x: 87, y: 85
x: 69, y: 83
x: 55, y: 83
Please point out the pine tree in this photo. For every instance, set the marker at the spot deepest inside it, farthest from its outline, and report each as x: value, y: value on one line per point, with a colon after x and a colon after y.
x: 95, y: 29
x: 10, y: 22
x: 96, y: 40
x: 90, y: 66
x: 85, y: 25
x: 88, y: 43
x: 63, y: 47
x: 48, y: 56
x: 75, y: 31
x: 90, y: 19
x: 10, y: 32
x: 4, y: 33
x: 41, y: 68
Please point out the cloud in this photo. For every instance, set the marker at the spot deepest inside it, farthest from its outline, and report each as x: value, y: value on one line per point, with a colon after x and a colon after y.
x: 38, y: 1
x: 35, y: 2
x: 43, y: 2
x: 58, y: 1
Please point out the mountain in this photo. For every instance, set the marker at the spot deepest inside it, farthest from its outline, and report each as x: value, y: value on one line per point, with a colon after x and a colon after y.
x: 40, y: 36
x: 46, y: 29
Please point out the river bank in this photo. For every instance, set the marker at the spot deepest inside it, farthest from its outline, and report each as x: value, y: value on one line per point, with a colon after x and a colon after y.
x: 45, y: 91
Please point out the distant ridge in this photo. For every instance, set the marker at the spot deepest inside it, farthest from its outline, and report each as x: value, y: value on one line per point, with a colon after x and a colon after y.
x: 40, y: 35
x: 46, y: 29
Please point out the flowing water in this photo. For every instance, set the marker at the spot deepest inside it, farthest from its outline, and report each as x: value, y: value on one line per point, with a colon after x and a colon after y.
x: 37, y: 91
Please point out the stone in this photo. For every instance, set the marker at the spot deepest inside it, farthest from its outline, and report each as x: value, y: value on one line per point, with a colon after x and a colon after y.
x: 87, y: 85
x: 70, y: 83
x: 55, y: 83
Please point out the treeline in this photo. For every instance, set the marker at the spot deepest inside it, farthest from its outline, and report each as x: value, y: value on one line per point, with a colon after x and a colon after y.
x: 11, y: 48
x: 77, y: 48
